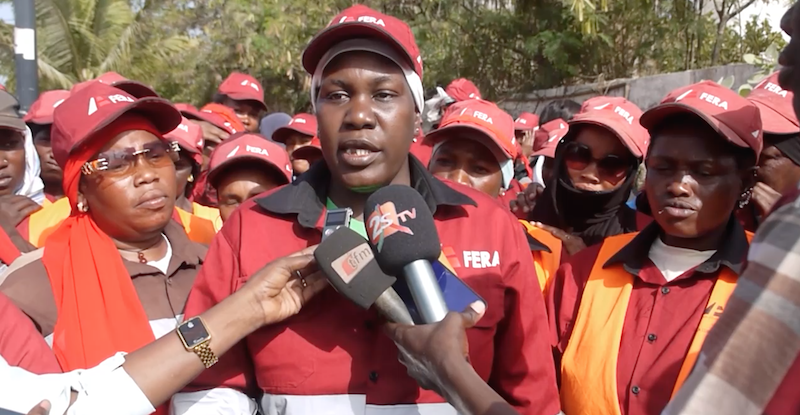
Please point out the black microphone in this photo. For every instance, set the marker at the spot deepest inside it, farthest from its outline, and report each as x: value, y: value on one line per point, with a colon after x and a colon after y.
x: 348, y: 262
x: 403, y: 235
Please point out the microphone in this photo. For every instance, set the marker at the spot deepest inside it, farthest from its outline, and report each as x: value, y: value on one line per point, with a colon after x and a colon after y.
x: 349, y: 265
x: 403, y: 236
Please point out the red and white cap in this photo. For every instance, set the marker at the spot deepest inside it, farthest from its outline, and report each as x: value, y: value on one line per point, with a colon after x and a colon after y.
x: 462, y: 89
x: 243, y: 87
x: 734, y: 117
x: 548, y: 137
x: 135, y: 88
x: 775, y: 105
x: 192, y: 113
x: 41, y: 111
x: 249, y: 146
x: 305, y: 124
x: 189, y: 137
x: 484, y: 116
x: 620, y: 116
x: 310, y: 152
x: 526, y: 122
x: 94, y: 107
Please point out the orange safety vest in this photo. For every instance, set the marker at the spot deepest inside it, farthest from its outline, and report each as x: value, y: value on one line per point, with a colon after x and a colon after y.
x: 198, y: 229
x: 589, y: 363
x: 209, y: 213
x: 546, y: 263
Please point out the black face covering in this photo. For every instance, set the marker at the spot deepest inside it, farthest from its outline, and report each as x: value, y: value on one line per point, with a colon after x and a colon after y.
x: 592, y: 216
x: 788, y: 144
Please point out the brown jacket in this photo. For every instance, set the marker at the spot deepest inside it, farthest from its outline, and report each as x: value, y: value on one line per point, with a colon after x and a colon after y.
x: 163, y: 296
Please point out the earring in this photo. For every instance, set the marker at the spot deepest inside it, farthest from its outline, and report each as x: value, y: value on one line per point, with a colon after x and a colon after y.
x: 83, y: 208
x: 191, y: 178
x: 745, y: 199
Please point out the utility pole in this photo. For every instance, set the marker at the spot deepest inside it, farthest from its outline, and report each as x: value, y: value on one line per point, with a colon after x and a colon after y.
x: 27, y: 69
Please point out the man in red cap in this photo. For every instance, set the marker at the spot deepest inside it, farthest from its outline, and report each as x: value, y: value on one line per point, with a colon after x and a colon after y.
x: 462, y: 89
x: 39, y: 120
x: 366, y: 89
x: 246, y: 166
x: 300, y: 131
x: 245, y: 96
x: 525, y: 127
x: 135, y: 88
x: 629, y: 316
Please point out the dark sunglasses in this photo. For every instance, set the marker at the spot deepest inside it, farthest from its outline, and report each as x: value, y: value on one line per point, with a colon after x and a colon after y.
x: 123, y: 162
x: 578, y: 156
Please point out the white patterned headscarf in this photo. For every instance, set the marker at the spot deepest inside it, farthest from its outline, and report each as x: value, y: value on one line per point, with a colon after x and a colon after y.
x: 32, y: 185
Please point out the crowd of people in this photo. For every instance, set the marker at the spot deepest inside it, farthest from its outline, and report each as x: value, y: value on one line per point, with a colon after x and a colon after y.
x: 157, y: 257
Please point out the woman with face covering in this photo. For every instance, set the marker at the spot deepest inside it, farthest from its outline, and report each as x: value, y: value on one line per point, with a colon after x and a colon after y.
x: 630, y: 315
x: 115, y: 274
x: 333, y: 357
x: 595, y: 169
x: 39, y: 120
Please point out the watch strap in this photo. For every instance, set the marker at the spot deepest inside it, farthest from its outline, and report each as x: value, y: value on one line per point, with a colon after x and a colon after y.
x: 206, y: 355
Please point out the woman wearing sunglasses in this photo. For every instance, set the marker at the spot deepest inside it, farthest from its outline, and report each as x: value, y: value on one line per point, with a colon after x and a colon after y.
x: 595, y: 171
x: 115, y: 274
x: 630, y: 315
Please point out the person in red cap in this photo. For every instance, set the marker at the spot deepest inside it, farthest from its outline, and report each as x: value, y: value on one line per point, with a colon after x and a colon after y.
x: 546, y: 141
x: 333, y: 357
x: 246, y: 166
x: 39, y: 120
x: 525, y: 127
x: 299, y: 133
x: 779, y: 164
x: 462, y: 89
x: 629, y: 316
x: 309, y: 154
x: 245, y: 96
x: 98, y: 286
x: 134, y: 88
x: 596, y: 167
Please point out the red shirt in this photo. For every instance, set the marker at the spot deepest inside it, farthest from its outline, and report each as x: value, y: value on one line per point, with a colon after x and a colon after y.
x: 21, y: 344
x: 661, y: 319
x: 333, y: 347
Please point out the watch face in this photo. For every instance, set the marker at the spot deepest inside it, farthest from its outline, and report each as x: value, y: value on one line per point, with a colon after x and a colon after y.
x: 193, y: 332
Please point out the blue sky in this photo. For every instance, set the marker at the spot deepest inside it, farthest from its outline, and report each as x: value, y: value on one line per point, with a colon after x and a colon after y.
x: 6, y: 12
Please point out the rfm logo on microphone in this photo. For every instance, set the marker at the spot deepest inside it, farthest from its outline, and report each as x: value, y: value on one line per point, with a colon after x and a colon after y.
x: 352, y: 262
x: 385, y: 221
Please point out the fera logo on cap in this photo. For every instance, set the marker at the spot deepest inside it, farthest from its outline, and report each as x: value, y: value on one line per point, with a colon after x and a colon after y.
x: 183, y: 127
x: 714, y: 100
x: 250, y: 84
x: 298, y: 120
x: 624, y: 114
x: 479, y: 115
x: 522, y: 121
x: 98, y: 102
x: 769, y: 86
x: 232, y: 153
x: 363, y: 19
x: 256, y: 150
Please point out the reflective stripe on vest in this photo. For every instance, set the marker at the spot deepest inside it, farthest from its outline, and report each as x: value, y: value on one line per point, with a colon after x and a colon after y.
x: 197, y: 229
x: 589, y: 363
x: 546, y: 263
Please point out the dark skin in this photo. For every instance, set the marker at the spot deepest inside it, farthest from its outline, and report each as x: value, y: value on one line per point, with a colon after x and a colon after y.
x: 212, y: 137
x: 294, y: 141
x: 525, y: 139
x: 51, y: 175
x: 603, y: 143
x: 248, y: 112
x: 693, y: 185
x: 183, y: 170
x: 132, y: 209
x: 777, y: 174
x: 463, y: 159
x: 236, y: 186
x: 365, y: 106
x: 12, y: 160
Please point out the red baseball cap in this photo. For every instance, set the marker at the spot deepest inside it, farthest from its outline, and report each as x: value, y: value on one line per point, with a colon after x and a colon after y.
x: 526, y: 121
x: 360, y: 21
x: 302, y: 123
x: 548, y: 137
x: 94, y: 107
x: 618, y: 115
x: 734, y: 117
x: 252, y: 147
x: 41, y: 111
x: 243, y: 87
x: 191, y: 112
x: 190, y: 137
x: 134, y: 88
x: 462, y: 89
x: 484, y: 116
x: 775, y: 105
x: 312, y: 151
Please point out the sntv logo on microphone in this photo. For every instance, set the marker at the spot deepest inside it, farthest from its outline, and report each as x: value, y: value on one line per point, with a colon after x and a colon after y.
x: 385, y: 221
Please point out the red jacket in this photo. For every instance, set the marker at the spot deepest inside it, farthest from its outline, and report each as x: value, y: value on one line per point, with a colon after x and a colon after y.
x: 20, y: 344
x: 334, y: 348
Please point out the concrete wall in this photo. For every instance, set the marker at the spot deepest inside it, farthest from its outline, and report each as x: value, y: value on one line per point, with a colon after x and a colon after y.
x: 644, y: 92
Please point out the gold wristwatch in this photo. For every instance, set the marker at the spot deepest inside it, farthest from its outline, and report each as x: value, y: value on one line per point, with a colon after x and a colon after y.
x: 195, y: 338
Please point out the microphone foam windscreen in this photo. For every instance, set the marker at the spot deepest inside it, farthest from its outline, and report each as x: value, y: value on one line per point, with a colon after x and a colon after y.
x: 349, y: 264
x: 400, y: 228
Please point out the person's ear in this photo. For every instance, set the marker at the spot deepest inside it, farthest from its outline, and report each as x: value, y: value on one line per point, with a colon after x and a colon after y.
x: 749, y: 178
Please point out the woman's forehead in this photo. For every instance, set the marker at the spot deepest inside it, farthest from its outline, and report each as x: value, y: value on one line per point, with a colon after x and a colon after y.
x: 130, y: 139
x: 365, y: 63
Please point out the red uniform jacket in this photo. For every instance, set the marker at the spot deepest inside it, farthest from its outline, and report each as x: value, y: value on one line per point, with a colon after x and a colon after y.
x: 335, y: 348
x: 21, y: 344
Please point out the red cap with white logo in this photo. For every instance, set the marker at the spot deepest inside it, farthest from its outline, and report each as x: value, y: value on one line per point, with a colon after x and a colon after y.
x: 484, y: 116
x: 462, y: 89
x: 548, y: 137
x: 243, y: 87
x: 731, y: 115
x: 305, y: 124
x: 526, y: 122
x: 249, y: 146
x: 191, y: 112
x: 775, y: 105
x: 41, y: 111
x: 94, y: 107
x: 360, y: 21
x: 135, y: 88
x: 311, y: 152
x: 618, y: 115
x: 190, y: 137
